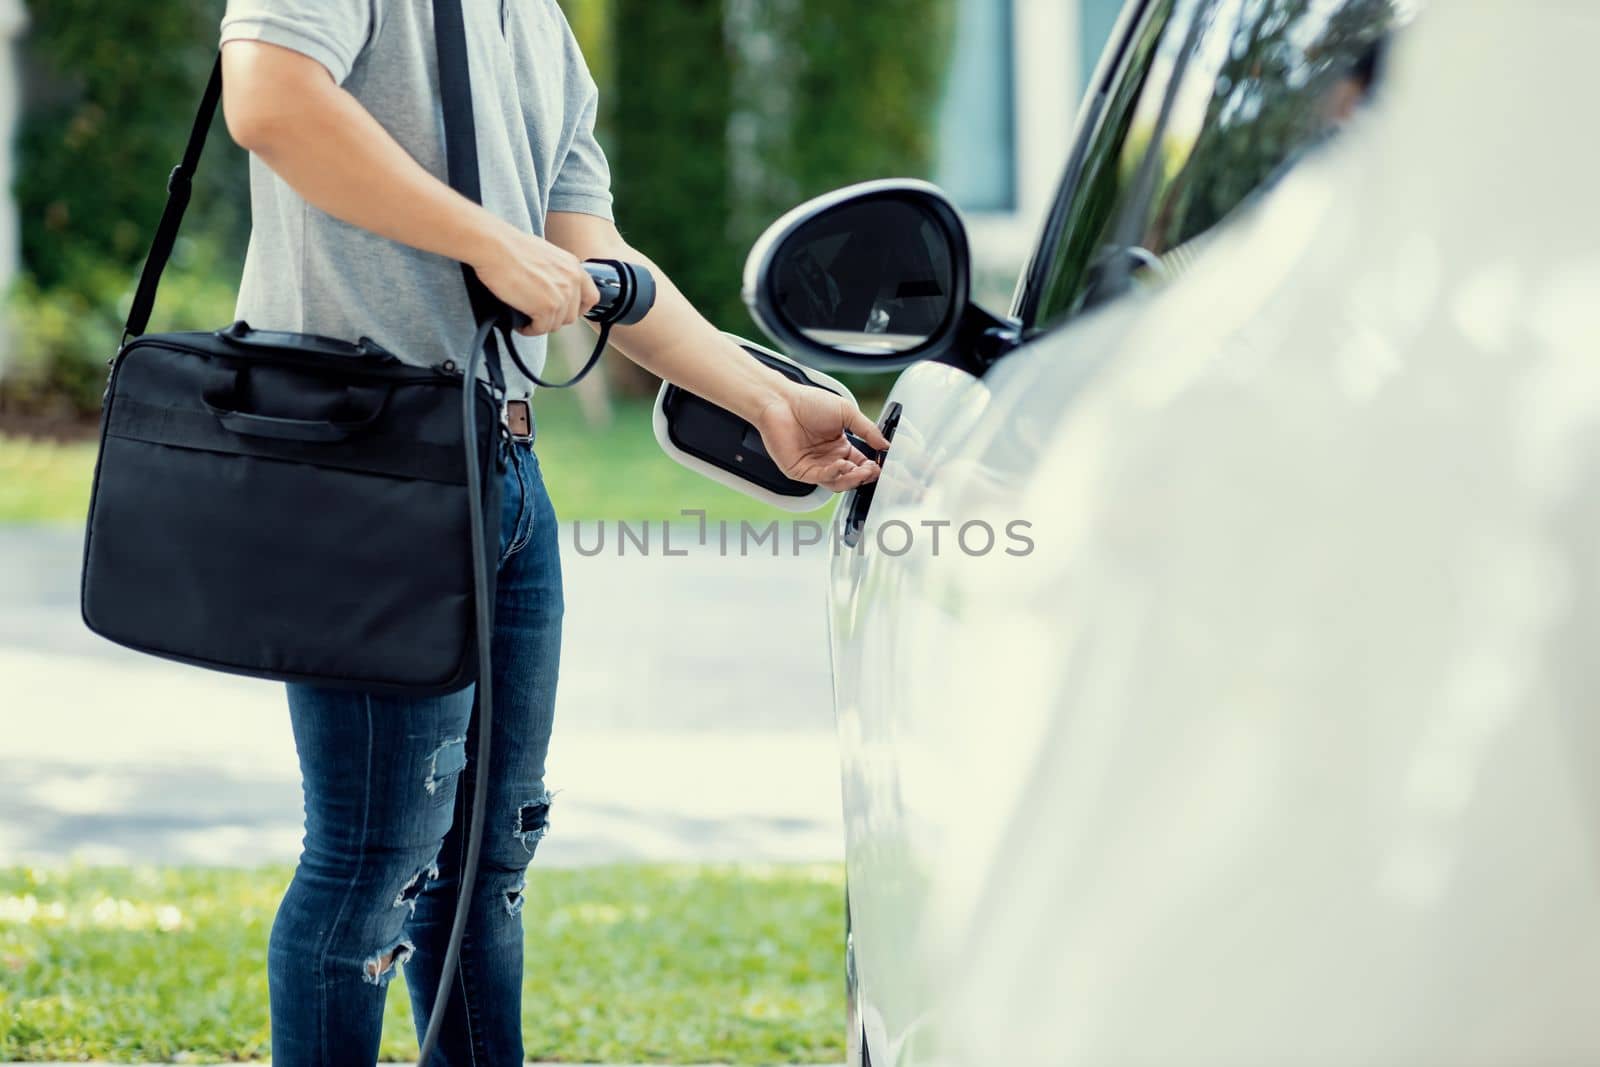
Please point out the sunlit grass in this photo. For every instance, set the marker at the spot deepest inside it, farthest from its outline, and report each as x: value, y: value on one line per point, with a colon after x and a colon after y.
x: 624, y: 964
x: 620, y: 472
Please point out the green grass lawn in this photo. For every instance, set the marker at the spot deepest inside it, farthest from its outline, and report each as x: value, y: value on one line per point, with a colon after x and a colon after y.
x: 613, y: 472
x: 620, y: 472
x: 739, y: 965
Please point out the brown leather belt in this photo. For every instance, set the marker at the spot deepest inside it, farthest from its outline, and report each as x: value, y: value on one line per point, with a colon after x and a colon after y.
x: 518, y: 418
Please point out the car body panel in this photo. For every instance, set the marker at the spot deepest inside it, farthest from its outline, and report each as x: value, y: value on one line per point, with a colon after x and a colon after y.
x: 1318, y: 782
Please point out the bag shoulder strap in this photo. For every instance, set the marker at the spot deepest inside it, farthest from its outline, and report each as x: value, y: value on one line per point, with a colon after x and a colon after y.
x: 179, y: 184
x: 461, y: 136
x: 461, y: 159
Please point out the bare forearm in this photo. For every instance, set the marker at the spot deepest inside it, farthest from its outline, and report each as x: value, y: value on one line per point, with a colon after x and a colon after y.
x: 674, y: 341
x: 329, y: 149
x: 677, y: 343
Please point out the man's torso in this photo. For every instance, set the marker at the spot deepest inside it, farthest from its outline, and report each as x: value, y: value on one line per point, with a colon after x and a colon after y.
x: 309, y: 272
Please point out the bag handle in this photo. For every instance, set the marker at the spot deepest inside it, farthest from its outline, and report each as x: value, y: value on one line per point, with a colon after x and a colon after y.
x: 461, y: 159
x: 223, y: 399
x: 283, y: 428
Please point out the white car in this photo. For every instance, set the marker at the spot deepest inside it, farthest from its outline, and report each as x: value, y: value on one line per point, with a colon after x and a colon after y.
x: 1238, y: 716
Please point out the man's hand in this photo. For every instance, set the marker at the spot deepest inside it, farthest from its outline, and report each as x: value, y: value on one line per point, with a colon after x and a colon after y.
x: 803, y: 429
x: 545, y: 283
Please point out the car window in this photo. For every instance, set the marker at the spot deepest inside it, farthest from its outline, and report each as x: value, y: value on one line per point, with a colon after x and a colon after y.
x: 1239, y: 89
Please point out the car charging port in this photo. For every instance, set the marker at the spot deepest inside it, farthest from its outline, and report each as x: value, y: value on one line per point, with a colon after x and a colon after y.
x: 855, y: 516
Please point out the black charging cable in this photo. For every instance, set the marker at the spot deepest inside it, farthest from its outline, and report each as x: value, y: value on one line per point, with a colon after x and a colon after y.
x: 483, y: 693
x: 627, y: 293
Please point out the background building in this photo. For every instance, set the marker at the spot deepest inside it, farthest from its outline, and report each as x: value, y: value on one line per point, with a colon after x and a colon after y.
x: 1017, y: 75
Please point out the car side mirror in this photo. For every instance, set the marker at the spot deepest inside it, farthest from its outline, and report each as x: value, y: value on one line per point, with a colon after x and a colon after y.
x: 872, y: 277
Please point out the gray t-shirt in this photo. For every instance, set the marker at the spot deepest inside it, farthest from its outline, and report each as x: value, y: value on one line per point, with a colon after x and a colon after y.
x: 534, y: 106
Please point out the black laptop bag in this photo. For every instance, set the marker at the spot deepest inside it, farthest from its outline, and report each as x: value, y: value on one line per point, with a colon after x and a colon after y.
x: 295, y: 507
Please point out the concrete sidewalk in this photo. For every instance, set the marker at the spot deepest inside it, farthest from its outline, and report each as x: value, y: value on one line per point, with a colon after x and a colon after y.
x: 694, y: 723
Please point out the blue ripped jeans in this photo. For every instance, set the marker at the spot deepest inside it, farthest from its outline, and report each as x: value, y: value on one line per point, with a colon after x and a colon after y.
x: 388, y: 783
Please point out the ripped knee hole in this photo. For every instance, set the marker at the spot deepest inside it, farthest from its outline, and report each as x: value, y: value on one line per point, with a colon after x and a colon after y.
x: 533, y: 821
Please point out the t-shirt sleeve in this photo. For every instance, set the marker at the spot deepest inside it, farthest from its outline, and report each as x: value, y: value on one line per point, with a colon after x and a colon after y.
x: 332, y: 32
x: 583, y: 181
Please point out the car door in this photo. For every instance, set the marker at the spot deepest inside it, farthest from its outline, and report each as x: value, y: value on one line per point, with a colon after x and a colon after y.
x: 889, y: 540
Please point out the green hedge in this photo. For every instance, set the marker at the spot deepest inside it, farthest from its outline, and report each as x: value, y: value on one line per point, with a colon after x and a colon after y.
x: 669, y: 108
x: 109, y: 92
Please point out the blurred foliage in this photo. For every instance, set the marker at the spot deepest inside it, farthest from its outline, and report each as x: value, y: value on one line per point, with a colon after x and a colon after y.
x: 726, y: 114
x: 111, y: 87
x: 864, y: 83
x: 60, y: 339
x: 591, y: 24
x: 62, y: 335
x: 669, y: 111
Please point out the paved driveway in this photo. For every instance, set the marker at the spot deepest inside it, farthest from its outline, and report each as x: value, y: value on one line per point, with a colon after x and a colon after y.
x: 694, y: 723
